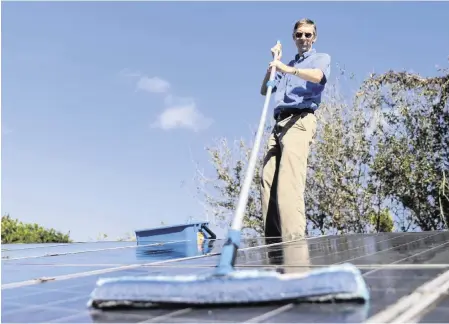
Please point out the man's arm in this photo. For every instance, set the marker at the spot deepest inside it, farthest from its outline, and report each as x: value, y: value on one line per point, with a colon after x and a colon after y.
x: 312, y: 75
x: 320, y: 71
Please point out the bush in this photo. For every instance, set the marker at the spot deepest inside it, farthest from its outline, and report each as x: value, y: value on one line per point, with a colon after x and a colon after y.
x: 14, y: 231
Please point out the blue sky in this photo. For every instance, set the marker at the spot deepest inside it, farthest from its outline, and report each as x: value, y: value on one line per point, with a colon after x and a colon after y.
x: 93, y: 95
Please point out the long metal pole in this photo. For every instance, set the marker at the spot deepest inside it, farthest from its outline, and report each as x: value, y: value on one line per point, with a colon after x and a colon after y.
x: 244, y: 192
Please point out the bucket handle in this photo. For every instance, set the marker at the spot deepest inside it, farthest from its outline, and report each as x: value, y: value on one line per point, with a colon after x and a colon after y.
x: 205, y: 228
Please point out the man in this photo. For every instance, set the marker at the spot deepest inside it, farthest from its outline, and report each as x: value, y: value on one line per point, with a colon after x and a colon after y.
x: 297, y: 92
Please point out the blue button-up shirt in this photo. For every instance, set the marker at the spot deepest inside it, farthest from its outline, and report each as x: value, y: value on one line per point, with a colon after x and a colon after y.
x: 293, y: 92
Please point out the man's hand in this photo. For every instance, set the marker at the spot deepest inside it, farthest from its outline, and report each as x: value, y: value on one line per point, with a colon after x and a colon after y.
x: 281, y: 67
x: 277, y: 49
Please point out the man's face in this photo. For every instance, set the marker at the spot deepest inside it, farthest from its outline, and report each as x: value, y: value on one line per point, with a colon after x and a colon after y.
x: 304, y: 37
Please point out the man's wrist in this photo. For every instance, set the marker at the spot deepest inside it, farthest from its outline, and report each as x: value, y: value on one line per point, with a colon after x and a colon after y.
x: 293, y: 71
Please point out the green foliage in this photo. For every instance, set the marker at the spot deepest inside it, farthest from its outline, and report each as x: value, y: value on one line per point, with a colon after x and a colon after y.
x: 337, y: 196
x: 219, y: 194
x: 382, y: 221
x: 127, y: 237
x: 413, y: 142
x: 102, y: 237
x: 14, y: 231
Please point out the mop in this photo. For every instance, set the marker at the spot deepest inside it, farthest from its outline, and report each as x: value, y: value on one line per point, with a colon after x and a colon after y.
x: 227, y: 286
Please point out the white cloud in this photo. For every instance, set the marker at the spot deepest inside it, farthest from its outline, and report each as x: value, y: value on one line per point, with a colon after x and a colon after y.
x: 185, y: 116
x: 153, y: 85
x: 180, y: 112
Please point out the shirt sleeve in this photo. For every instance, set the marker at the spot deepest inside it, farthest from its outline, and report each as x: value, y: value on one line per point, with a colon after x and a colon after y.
x: 277, y: 78
x: 323, y: 62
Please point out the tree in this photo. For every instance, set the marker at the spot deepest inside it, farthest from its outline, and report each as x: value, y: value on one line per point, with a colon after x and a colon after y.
x: 14, y: 231
x: 412, y: 135
x: 338, y: 199
x: 219, y: 194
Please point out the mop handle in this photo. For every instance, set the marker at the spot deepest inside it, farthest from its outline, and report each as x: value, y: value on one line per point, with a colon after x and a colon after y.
x: 244, y: 192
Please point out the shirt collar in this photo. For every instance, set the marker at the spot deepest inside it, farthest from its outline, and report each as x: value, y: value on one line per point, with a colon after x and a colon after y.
x: 306, y: 54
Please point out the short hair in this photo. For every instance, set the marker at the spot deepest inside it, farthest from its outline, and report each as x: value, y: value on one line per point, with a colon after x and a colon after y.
x: 306, y: 21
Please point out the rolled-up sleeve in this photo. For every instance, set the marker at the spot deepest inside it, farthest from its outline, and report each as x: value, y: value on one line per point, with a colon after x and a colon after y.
x: 323, y: 62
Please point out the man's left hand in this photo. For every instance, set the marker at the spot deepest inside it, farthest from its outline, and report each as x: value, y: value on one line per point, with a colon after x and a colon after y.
x: 281, y: 67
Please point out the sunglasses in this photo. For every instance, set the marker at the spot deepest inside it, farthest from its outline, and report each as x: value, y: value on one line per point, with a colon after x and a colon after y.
x: 299, y: 35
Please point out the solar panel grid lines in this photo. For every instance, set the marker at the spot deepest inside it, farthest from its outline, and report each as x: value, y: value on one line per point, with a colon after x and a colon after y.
x: 71, y: 264
x: 317, y: 255
x: 270, y: 314
x: 245, y: 266
x: 92, y: 285
x: 44, y: 248
x: 105, y: 312
x: 31, y: 247
x: 113, y: 269
x: 301, y: 314
x: 62, y: 308
x: 31, y: 291
x: 387, y: 285
x: 311, y: 266
x: 101, y: 317
x: 348, y: 250
x: 380, y: 266
x: 164, y: 317
x: 415, y: 305
x: 39, y: 315
x: 89, y: 251
x: 317, y: 247
x: 429, y: 299
x: 437, y: 312
x: 49, y: 305
x: 76, y: 318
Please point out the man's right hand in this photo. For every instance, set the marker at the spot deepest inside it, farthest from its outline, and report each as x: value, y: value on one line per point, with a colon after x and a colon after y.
x: 277, y: 49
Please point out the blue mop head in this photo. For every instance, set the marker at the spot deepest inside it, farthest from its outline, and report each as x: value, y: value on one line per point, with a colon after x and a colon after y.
x: 334, y: 283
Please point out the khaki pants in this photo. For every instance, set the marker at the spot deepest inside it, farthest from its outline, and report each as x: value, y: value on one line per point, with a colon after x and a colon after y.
x: 284, y: 176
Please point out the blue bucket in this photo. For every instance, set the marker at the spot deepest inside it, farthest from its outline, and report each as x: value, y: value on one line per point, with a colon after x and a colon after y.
x: 195, y: 239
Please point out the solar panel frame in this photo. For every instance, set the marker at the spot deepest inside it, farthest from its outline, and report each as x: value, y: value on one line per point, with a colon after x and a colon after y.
x: 67, y: 248
x: 64, y: 300
x: 439, y: 312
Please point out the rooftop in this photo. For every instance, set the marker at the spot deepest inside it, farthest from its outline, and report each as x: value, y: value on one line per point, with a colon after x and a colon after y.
x: 52, y: 282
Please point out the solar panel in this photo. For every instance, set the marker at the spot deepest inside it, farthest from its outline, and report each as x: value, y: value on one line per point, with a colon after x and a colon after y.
x: 439, y: 313
x: 21, y: 246
x: 394, y: 265
x: 33, y: 251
